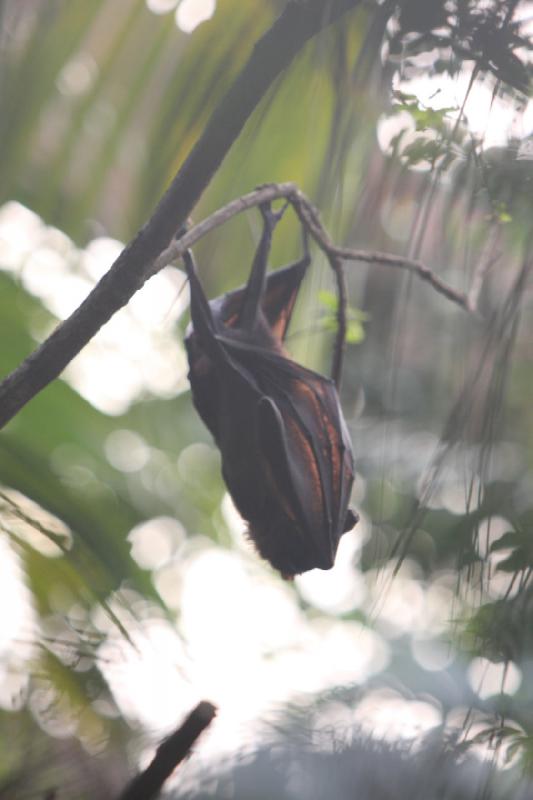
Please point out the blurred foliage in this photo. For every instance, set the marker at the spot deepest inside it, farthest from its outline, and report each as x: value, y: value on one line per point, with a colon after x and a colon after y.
x: 101, y: 103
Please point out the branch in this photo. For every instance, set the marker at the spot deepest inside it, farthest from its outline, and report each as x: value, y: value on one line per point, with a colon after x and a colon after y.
x: 310, y: 219
x: 309, y: 216
x: 169, y: 754
x: 271, y: 55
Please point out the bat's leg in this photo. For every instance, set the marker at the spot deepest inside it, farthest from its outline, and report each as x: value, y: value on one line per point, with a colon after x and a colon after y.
x: 256, y: 281
x: 202, y: 318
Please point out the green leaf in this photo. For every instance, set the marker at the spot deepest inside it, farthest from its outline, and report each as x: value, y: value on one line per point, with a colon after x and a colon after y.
x: 355, y: 332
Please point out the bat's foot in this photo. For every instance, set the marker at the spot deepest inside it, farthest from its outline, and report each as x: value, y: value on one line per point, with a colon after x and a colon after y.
x: 270, y: 217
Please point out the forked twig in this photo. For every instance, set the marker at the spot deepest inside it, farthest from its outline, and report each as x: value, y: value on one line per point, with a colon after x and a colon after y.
x: 309, y: 218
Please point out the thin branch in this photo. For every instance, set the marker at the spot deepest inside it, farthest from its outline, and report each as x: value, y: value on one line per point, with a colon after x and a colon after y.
x: 309, y: 217
x: 262, y: 194
x: 271, y: 55
x: 342, y: 301
x: 411, y: 265
x: 169, y: 754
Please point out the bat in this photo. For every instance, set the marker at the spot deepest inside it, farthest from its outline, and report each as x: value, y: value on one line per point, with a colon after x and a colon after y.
x: 286, y: 453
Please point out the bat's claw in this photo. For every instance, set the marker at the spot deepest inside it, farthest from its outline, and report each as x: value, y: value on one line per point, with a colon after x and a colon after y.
x: 271, y: 218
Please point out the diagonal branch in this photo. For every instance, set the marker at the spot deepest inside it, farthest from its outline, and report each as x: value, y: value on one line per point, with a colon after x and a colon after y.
x: 271, y: 55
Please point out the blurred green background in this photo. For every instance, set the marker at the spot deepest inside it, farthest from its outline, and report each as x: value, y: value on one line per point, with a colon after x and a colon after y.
x: 128, y: 588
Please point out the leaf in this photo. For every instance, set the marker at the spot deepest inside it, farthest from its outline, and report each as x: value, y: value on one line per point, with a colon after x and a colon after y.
x: 355, y: 332
x: 328, y: 299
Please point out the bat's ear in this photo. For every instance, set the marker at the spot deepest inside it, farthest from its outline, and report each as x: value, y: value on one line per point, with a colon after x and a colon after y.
x: 281, y: 292
x: 277, y: 303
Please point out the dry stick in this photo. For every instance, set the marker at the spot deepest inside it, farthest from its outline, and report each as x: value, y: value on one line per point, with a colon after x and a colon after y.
x: 271, y: 55
x: 169, y: 754
x: 376, y: 257
x: 263, y: 194
x: 340, y: 340
x: 309, y: 217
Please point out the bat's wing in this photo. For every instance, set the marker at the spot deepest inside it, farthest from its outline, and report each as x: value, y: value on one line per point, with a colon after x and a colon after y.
x: 286, y: 454
x: 219, y: 317
x: 307, y: 462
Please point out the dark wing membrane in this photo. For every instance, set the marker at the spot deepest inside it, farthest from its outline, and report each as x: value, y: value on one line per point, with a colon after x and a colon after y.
x: 225, y: 395
x: 315, y: 419
x: 286, y: 454
x: 308, y: 452
x: 277, y: 305
x: 280, y: 296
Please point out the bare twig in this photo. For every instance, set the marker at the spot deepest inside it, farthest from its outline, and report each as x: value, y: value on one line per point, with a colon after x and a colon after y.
x: 169, y: 754
x: 411, y: 265
x: 263, y: 194
x: 310, y: 219
x: 340, y: 340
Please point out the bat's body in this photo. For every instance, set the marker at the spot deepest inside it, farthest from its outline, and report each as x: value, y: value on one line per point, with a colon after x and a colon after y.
x: 286, y: 453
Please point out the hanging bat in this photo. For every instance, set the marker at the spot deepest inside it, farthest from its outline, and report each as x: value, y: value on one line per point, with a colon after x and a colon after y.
x: 286, y: 453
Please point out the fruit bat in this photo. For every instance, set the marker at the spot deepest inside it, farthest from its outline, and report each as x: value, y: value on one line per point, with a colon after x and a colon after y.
x: 286, y: 453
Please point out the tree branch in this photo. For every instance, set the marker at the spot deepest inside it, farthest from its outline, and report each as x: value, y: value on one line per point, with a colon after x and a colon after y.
x: 270, y: 56
x: 169, y: 754
x: 310, y: 219
x: 309, y: 216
